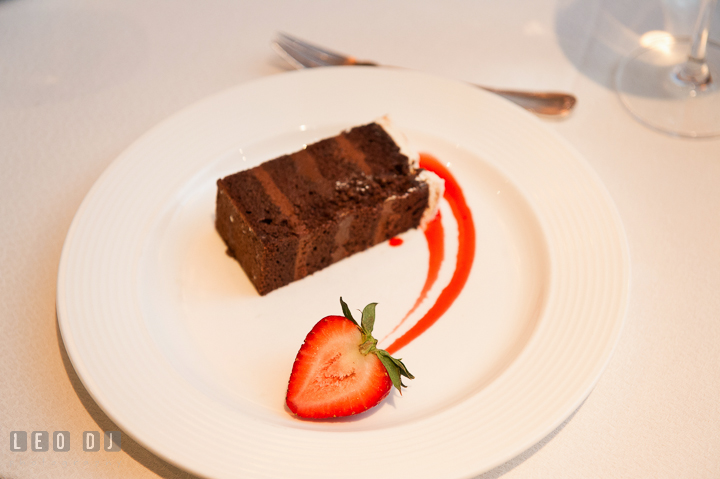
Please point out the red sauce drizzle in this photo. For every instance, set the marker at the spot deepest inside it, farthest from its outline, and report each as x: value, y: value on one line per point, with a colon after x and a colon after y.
x: 396, y: 241
x: 435, y: 236
x: 465, y: 255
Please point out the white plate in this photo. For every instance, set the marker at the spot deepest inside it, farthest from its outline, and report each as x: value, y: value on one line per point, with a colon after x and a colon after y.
x: 171, y: 340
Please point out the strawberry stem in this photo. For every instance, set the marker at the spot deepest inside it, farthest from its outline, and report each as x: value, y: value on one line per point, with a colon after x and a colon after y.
x: 368, y: 346
x: 395, y: 367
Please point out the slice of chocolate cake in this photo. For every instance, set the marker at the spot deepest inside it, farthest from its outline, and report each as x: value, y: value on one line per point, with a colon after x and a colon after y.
x: 296, y: 214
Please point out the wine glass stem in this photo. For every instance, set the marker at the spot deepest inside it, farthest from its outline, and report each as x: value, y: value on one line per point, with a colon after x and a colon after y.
x: 694, y: 71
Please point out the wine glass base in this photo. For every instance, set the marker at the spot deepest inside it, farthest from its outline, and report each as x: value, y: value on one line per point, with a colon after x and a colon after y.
x: 648, y: 86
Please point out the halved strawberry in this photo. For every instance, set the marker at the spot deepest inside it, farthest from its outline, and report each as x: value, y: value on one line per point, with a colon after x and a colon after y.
x: 339, y: 371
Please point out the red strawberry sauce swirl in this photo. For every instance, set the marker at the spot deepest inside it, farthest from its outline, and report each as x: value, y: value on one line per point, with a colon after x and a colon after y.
x: 434, y: 235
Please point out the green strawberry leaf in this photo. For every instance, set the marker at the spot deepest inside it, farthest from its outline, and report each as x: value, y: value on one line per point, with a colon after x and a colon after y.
x: 347, y: 313
x: 402, y: 368
x: 368, y: 319
x: 391, y: 369
x: 395, y: 368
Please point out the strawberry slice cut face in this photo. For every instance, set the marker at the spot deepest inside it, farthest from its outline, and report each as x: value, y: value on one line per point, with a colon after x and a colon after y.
x: 339, y: 371
x: 331, y: 377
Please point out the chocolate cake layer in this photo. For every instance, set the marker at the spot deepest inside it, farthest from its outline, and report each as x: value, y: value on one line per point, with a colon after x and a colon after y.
x: 299, y: 213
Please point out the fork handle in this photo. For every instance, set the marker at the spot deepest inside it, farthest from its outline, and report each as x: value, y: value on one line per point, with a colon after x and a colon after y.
x: 542, y: 103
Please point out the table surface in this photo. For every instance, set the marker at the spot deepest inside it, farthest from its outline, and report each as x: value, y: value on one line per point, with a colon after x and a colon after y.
x: 81, y: 80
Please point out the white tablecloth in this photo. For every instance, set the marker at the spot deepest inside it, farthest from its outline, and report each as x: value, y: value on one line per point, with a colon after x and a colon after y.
x: 81, y: 80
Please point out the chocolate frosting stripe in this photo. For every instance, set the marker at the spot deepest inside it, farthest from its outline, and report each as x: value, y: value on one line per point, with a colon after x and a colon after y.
x: 381, y: 228
x: 342, y: 235
x: 352, y: 153
x: 287, y: 209
x: 307, y: 166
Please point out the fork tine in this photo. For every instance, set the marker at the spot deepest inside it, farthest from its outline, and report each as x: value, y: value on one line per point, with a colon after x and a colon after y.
x: 314, y: 53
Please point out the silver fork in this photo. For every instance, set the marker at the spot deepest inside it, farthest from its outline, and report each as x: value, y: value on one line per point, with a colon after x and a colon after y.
x: 301, y: 54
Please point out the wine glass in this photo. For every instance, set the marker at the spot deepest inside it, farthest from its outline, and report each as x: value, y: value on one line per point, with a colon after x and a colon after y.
x: 672, y: 84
